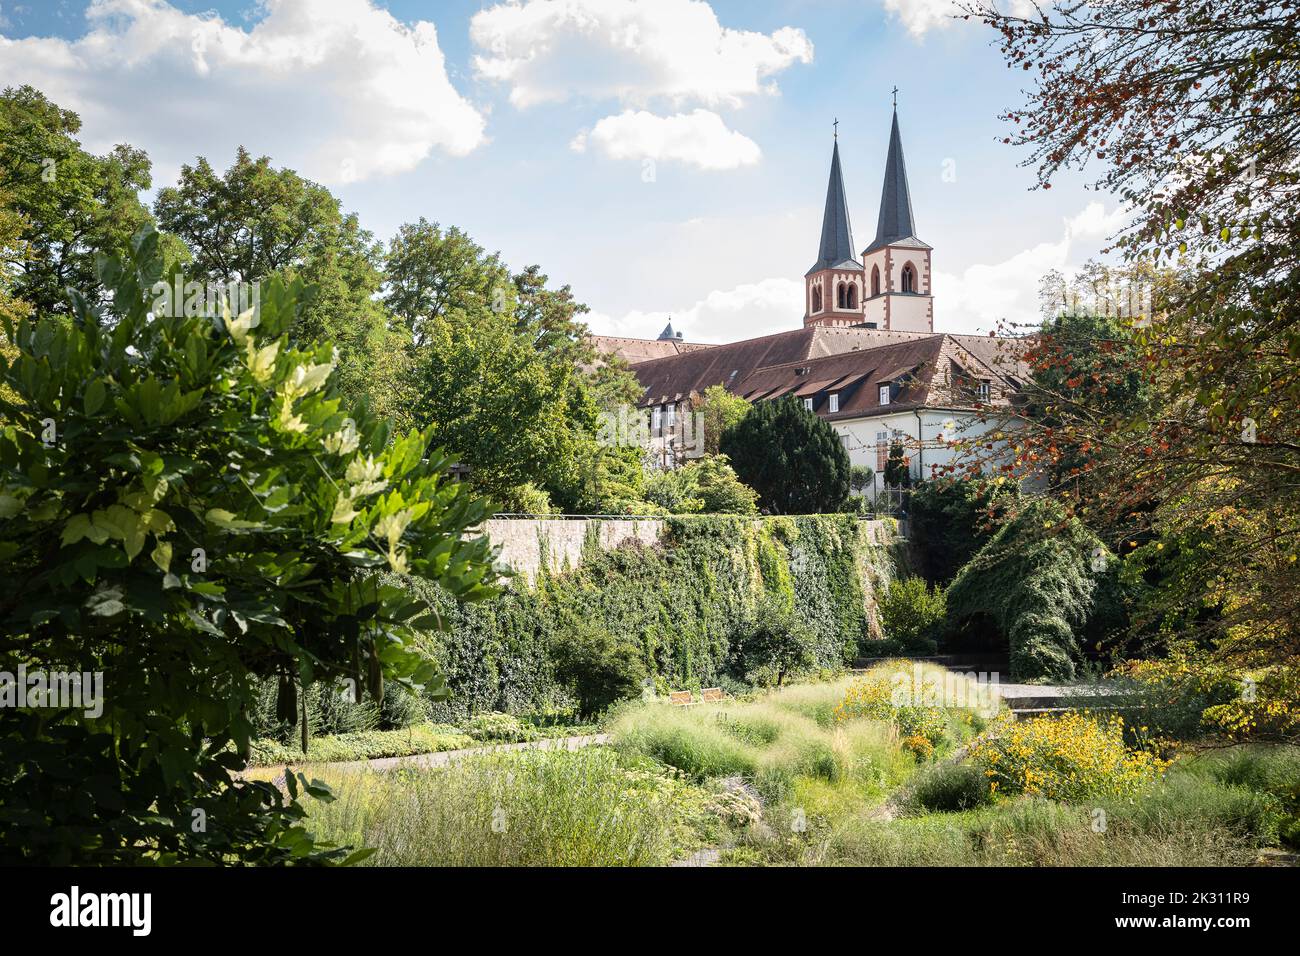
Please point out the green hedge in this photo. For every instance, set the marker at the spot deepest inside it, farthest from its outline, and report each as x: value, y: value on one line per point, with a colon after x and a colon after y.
x: 683, y: 603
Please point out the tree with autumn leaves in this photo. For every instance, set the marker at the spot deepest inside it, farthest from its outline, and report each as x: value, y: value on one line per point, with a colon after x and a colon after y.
x: 1171, y: 428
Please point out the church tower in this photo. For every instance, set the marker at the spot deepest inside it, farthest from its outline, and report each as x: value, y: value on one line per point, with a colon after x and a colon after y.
x: 896, y: 266
x: 833, y: 288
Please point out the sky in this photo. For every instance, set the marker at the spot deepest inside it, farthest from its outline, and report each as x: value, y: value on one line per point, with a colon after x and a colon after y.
x: 662, y: 157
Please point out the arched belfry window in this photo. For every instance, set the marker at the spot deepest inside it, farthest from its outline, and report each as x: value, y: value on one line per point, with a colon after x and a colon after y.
x: 875, y: 281
x: 841, y: 296
x: 817, y: 299
x: 909, y: 278
x: 850, y: 297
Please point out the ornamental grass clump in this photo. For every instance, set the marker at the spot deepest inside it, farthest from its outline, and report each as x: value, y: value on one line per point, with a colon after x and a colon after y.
x: 1070, y: 757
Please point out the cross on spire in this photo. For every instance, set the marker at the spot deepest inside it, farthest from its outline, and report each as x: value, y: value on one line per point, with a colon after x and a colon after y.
x: 836, y: 124
x: 895, y: 92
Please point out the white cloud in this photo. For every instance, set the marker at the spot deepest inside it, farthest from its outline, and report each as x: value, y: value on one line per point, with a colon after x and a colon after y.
x: 921, y: 16
x: 339, y: 89
x: 744, y: 312
x: 975, y: 301
x: 699, y: 138
x: 983, y: 295
x: 630, y: 50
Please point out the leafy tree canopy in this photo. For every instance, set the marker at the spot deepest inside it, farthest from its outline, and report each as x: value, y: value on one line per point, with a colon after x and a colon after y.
x: 64, y: 201
x: 186, y: 506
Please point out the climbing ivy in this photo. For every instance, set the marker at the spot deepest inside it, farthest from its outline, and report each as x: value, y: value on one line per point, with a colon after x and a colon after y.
x: 684, y: 603
x: 1047, y: 585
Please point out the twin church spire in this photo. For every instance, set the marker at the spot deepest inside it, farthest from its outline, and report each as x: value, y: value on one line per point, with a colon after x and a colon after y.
x: 889, y: 286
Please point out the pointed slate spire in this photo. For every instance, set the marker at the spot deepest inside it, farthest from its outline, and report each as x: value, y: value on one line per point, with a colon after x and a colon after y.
x: 895, y: 199
x: 837, y: 234
x: 668, y: 332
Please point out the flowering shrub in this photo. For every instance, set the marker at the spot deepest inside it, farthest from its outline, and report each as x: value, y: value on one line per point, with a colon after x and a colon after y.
x: 1264, y: 709
x: 923, y: 728
x: 919, y: 747
x: 1068, y: 757
x: 1174, y: 693
x: 924, y: 722
x: 1186, y: 696
x: 868, y: 698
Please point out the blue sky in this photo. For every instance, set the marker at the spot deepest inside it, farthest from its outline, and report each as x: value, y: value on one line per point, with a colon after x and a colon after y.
x: 662, y: 156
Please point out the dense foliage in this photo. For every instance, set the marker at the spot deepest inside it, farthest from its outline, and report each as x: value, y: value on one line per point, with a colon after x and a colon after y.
x: 61, y: 202
x: 687, y: 605
x: 912, y: 616
x: 791, y: 457
x: 1044, y: 584
x: 703, y: 486
x: 1191, y: 107
x: 186, y: 508
x: 949, y: 520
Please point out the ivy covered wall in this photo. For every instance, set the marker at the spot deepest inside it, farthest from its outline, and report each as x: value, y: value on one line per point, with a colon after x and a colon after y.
x: 681, y: 601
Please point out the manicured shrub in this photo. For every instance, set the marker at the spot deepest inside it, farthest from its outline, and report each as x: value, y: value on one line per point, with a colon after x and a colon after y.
x: 498, y: 728
x: 1073, y: 756
x: 361, y: 745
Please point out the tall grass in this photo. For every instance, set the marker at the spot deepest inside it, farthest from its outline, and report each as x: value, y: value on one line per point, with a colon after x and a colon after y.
x: 527, y: 808
x: 772, y: 743
x: 1205, y: 828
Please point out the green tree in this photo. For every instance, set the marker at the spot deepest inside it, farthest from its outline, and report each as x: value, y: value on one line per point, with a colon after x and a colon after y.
x: 775, y: 645
x: 1191, y: 109
x: 187, y: 508
x: 721, y: 410
x: 432, y: 274
x: 861, y: 478
x: 255, y: 222
x: 898, y: 471
x: 511, y: 413
x: 792, y: 458
x: 67, y: 202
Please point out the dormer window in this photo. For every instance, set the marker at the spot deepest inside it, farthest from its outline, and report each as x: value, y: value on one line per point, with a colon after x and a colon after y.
x: 884, y: 395
x: 808, y: 404
x: 985, y: 391
x: 833, y: 403
x: 656, y: 419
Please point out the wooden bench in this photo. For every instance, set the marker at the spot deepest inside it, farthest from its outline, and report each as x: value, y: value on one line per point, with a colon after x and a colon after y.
x: 712, y: 695
x: 681, y: 698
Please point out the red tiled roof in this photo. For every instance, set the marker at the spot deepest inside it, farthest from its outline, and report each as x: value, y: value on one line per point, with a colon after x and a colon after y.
x: 632, y: 350
x: 809, y: 362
